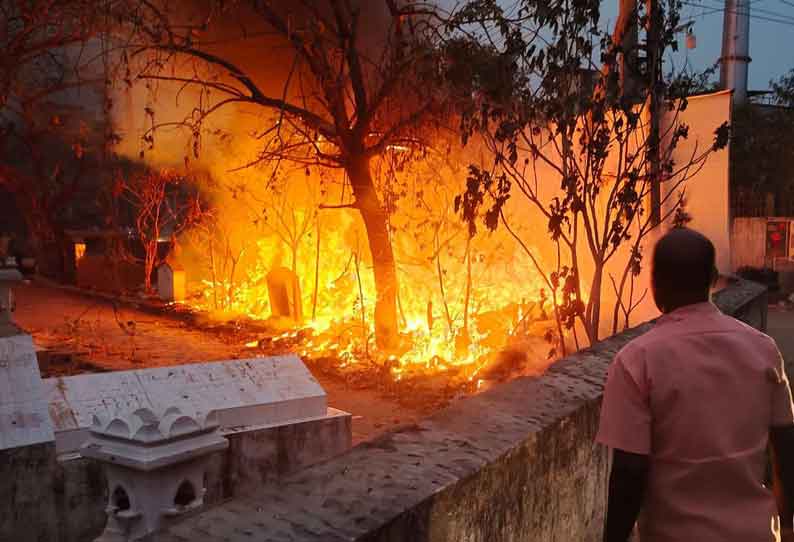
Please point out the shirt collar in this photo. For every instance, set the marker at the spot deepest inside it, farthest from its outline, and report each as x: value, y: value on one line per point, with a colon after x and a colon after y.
x: 704, y: 308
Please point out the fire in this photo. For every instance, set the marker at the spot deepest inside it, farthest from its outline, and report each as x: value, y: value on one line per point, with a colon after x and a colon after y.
x: 460, y: 300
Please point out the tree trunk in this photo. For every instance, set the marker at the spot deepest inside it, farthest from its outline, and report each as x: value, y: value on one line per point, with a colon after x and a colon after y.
x: 376, y: 223
x: 63, y: 265
x: 148, y: 264
x: 594, y: 306
x: 624, y: 40
x: 41, y: 232
x: 316, y: 272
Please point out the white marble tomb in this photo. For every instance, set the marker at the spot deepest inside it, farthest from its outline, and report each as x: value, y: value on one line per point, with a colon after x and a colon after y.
x: 247, y: 393
x: 24, y: 420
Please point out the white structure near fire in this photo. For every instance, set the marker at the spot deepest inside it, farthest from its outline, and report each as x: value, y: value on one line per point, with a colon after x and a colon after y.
x: 155, y: 465
x: 171, y: 282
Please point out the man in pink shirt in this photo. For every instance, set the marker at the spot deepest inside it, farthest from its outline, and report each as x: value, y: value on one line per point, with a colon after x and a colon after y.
x: 688, y: 411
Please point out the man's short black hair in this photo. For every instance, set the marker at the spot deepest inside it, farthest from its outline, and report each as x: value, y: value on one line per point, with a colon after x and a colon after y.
x: 684, y: 260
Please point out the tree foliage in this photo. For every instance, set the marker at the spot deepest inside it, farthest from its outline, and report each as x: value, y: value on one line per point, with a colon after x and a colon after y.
x: 559, y: 111
x: 762, y: 150
x: 36, y: 37
x: 50, y: 53
x: 783, y: 90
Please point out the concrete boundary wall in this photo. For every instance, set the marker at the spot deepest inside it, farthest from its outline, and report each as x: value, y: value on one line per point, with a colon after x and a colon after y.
x: 514, y: 463
x: 27, y: 493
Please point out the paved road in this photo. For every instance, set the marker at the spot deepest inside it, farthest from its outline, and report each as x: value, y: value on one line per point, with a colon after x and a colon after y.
x: 780, y: 325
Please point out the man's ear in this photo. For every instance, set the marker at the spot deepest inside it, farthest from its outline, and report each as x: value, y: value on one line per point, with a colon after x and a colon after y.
x: 715, y: 275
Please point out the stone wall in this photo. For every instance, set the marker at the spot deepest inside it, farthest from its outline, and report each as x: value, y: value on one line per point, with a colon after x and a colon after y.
x: 514, y: 463
x: 27, y: 508
x: 103, y: 273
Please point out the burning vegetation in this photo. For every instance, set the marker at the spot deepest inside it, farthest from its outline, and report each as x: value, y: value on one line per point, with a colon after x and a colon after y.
x: 329, y: 185
x: 294, y: 255
x: 320, y: 169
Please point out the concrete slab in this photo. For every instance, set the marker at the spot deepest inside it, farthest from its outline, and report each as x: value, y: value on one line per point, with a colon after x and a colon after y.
x: 23, y: 409
x: 259, y: 392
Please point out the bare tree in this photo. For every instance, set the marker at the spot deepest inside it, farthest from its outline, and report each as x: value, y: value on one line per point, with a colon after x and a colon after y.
x: 222, y: 253
x: 163, y: 202
x: 356, y: 83
x: 288, y: 223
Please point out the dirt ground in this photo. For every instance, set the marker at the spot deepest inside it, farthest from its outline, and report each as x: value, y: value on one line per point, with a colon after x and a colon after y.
x: 86, y: 334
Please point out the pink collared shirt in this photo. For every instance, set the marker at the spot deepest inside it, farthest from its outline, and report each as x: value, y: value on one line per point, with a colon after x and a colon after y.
x: 698, y: 394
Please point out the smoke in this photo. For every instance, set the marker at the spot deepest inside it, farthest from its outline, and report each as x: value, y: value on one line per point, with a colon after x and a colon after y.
x: 242, y: 38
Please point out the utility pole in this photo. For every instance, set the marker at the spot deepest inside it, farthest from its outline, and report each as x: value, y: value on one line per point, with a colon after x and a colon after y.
x: 735, y: 49
x: 654, y: 67
x: 627, y: 33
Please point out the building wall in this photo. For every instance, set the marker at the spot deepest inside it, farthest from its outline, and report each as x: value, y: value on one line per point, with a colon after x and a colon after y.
x: 515, y: 463
x: 708, y: 193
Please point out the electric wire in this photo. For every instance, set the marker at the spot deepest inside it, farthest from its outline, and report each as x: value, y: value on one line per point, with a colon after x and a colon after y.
x: 786, y: 21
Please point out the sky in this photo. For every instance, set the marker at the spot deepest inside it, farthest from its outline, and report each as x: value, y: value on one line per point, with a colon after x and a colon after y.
x: 771, y: 36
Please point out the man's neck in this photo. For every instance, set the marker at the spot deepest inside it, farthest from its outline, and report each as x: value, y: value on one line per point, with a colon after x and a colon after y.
x: 681, y: 303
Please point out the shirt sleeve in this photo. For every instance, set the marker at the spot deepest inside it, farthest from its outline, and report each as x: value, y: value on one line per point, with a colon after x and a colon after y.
x: 782, y: 408
x: 625, y: 411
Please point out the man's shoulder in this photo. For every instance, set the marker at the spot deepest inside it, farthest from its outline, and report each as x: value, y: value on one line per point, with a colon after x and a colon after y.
x: 745, y: 332
x: 651, y: 338
x: 634, y: 351
x: 669, y: 337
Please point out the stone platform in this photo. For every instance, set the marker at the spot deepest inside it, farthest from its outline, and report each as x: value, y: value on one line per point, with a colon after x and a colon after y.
x: 247, y: 393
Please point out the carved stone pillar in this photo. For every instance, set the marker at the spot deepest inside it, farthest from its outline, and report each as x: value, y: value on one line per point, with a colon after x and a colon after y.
x: 155, y: 465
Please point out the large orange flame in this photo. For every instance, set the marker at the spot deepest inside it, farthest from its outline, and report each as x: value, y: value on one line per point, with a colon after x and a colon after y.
x: 460, y: 299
